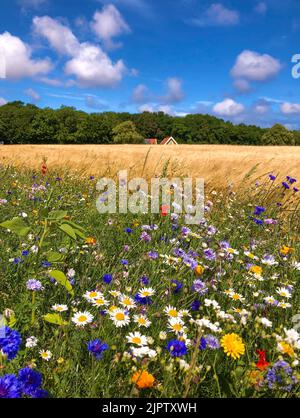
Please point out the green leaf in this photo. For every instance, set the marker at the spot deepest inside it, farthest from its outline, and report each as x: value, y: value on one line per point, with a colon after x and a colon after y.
x: 68, y: 230
x: 75, y: 226
x: 16, y: 225
x: 60, y: 277
x: 12, y: 321
x: 57, y: 215
x: 54, y: 257
x: 55, y: 319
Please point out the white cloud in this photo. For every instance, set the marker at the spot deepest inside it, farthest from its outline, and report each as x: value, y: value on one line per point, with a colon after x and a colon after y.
x: 217, y: 15
x: 93, y: 68
x: 175, y: 92
x: 51, y: 81
x: 165, y: 109
x: 95, y: 103
x: 108, y: 24
x: 290, y: 108
x: 253, y: 66
x: 32, y: 94
x: 228, y: 108
x: 146, y: 108
x: 141, y: 94
x: 261, y: 109
x: 2, y: 101
x: 90, y: 65
x: 59, y: 36
x: 18, y: 58
x: 242, y: 85
x: 261, y: 8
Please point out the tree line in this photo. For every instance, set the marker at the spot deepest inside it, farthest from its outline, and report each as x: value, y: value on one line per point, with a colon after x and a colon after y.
x: 28, y: 124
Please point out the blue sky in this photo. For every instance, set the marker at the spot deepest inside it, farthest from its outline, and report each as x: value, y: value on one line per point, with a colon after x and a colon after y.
x: 231, y: 59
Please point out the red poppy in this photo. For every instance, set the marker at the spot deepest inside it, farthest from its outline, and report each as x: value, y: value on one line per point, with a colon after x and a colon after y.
x: 44, y: 169
x: 262, y: 363
x: 164, y: 210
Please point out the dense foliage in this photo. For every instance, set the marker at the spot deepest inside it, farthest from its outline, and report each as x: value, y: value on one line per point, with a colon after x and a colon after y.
x: 25, y: 124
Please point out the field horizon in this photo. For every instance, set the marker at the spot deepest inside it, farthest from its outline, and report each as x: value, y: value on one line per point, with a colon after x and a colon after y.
x: 217, y: 164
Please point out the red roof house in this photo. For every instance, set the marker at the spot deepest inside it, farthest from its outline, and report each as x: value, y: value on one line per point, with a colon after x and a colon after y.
x: 151, y: 141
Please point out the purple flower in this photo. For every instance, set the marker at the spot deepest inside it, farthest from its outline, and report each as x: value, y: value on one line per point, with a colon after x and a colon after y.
x: 144, y: 280
x: 209, y: 254
x: 128, y: 230
x: 153, y: 255
x: 124, y: 262
x: 291, y: 180
x: 212, y: 342
x: 34, y: 285
x: 203, y: 344
x: 200, y: 287
x: 280, y: 376
x: 143, y: 300
x: 272, y: 177
x: 145, y: 236
x: 177, y: 348
x: 97, y: 348
x: 9, y: 387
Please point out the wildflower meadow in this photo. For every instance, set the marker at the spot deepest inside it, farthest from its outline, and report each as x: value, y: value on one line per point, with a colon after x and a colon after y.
x: 97, y: 305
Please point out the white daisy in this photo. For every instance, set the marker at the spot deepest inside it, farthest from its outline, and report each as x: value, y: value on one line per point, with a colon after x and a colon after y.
x: 284, y: 305
x: 283, y: 292
x: 31, y: 342
x: 92, y: 295
x: 45, y: 355
x: 176, y: 325
x: 59, y: 308
x: 172, y: 312
x: 119, y: 317
x: 141, y: 352
x: 100, y: 302
x: 266, y: 323
x: 127, y: 302
x: 81, y: 319
x: 136, y: 338
x: 146, y: 292
x: 115, y: 293
x: 142, y: 321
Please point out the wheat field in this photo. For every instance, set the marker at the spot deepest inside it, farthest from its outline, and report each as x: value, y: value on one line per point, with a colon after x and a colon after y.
x: 217, y: 164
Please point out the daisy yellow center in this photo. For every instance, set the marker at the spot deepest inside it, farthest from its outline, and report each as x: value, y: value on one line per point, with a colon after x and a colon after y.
x: 145, y: 294
x: 142, y: 321
x: 236, y: 297
x: 59, y: 309
x: 173, y: 313
x: 127, y: 301
x: 82, y: 318
x: 44, y: 355
x: 100, y: 301
x: 93, y: 294
x: 177, y: 327
x: 136, y: 340
x: 120, y: 316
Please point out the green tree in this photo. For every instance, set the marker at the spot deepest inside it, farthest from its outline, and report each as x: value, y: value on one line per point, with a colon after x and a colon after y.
x: 126, y: 133
x: 278, y: 135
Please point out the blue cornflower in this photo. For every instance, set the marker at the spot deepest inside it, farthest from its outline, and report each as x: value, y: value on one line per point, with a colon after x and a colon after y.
x: 124, y: 262
x: 92, y: 177
x: 9, y: 387
x: 259, y: 210
x: 195, y: 305
x: 46, y: 264
x: 291, y: 180
x: 176, y: 286
x: 128, y: 230
x: 143, y: 300
x: 258, y: 221
x: 97, y: 348
x: 153, y: 255
x: 25, y: 253
x: 177, y: 348
x: 272, y: 177
x: 18, y: 260
x: 144, y: 280
x: 285, y: 185
x: 30, y: 380
x: 295, y: 190
x: 280, y: 376
x: 203, y: 344
x: 107, y: 278
x: 10, y: 342
x: 39, y: 393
